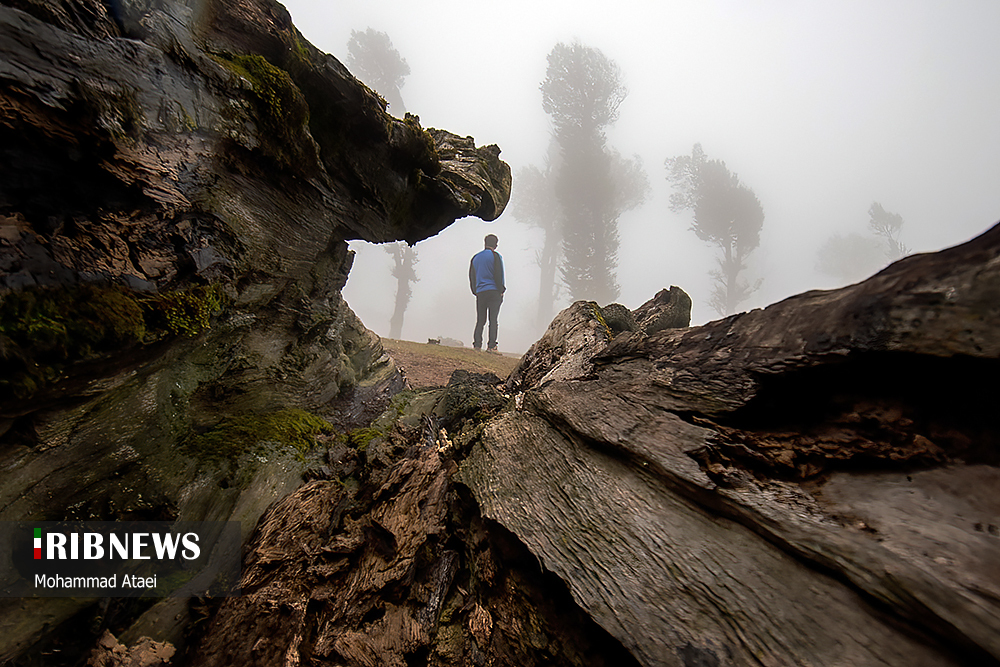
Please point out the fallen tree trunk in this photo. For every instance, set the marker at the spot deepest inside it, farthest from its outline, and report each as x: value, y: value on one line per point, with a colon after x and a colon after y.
x: 810, y: 484
x: 806, y: 484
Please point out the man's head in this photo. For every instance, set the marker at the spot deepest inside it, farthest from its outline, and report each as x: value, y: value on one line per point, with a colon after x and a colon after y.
x: 491, y: 241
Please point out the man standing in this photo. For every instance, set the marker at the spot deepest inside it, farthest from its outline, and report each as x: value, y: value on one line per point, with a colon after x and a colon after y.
x: 486, y: 281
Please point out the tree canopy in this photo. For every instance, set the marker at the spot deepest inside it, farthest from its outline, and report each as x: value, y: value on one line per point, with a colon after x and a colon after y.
x: 582, y: 90
x: 727, y: 214
x: 371, y: 56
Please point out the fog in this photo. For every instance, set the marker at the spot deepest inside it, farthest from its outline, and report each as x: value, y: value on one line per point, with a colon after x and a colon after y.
x: 822, y: 108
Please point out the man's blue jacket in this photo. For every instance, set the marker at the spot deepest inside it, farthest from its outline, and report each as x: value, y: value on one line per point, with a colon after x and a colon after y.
x: 486, y: 272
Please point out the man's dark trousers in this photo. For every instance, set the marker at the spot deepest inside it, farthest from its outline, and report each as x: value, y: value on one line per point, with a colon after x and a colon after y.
x: 487, y: 304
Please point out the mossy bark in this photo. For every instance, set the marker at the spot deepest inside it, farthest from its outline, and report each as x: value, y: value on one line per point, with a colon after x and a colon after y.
x: 178, y: 187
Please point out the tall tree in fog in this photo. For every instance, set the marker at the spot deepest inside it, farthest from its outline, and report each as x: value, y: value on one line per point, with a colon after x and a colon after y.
x: 856, y: 256
x: 582, y: 92
x: 727, y: 214
x: 371, y: 57
x: 404, y: 258
x: 536, y: 204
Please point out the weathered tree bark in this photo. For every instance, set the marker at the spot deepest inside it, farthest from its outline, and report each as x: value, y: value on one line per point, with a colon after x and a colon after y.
x: 808, y: 484
x: 774, y: 488
x: 389, y: 563
x: 803, y: 484
x: 178, y: 183
x: 669, y: 309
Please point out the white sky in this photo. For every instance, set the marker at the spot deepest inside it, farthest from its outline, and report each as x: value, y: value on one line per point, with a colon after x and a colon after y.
x: 822, y: 107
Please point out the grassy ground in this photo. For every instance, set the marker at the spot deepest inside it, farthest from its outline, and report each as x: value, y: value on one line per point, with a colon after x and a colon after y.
x: 428, y: 365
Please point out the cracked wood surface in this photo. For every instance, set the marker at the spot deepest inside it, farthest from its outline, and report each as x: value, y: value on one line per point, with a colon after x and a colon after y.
x: 807, y: 484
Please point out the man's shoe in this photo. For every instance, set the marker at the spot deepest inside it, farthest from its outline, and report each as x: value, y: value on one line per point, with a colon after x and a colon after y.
x: 493, y: 350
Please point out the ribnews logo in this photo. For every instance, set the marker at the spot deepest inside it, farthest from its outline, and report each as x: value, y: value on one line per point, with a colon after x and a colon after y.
x: 165, y: 545
x: 119, y: 559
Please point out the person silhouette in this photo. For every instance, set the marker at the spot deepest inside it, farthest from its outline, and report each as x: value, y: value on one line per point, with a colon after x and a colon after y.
x: 487, y: 282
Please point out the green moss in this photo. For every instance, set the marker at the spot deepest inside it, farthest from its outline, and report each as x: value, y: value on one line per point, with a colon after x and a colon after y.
x: 292, y: 428
x: 186, y: 312
x: 43, y: 331
x: 600, y: 318
x: 401, y: 401
x: 361, y: 437
x: 282, y: 111
x: 425, y: 152
x: 299, y: 48
x: 188, y: 121
x: 275, y: 89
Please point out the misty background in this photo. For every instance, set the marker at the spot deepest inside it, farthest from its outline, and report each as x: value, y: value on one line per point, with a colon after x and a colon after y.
x: 821, y: 108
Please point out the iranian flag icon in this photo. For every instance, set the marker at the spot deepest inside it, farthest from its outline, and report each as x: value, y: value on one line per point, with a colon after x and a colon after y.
x: 38, y: 543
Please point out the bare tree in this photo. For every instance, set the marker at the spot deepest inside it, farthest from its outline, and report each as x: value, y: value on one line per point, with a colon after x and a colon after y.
x: 404, y: 259
x: 887, y: 226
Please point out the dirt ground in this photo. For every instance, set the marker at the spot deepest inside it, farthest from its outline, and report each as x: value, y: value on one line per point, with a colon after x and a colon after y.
x: 427, y: 365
